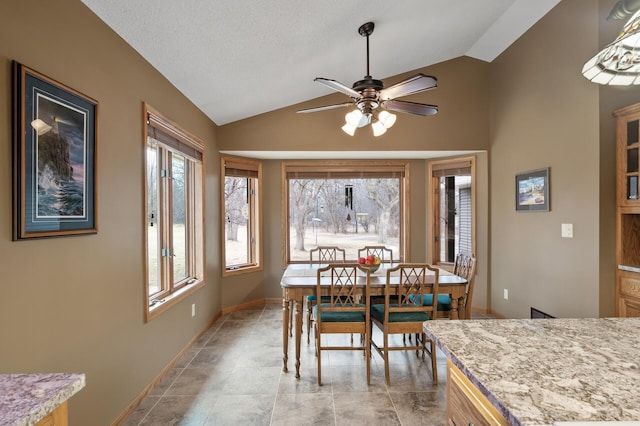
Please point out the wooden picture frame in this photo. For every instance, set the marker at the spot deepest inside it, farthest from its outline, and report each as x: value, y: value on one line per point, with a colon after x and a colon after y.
x: 55, y: 137
x: 532, y: 191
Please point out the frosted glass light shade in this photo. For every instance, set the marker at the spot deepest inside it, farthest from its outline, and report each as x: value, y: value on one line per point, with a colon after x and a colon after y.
x: 619, y: 62
x: 387, y: 119
x: 349, y: 129
x: 378, y: 128
x: 353, y: 117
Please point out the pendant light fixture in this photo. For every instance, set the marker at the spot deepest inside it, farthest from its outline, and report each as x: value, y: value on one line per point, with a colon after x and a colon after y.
x: 619, y: 62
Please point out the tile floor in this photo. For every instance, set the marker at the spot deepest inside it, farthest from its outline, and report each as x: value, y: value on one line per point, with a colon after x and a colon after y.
x: 233, y: 376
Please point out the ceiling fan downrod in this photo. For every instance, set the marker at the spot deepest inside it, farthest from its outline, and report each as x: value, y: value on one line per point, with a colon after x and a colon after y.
x: 366, y: 30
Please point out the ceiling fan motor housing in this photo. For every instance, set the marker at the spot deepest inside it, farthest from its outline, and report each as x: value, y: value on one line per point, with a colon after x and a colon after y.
x: 368, y: 101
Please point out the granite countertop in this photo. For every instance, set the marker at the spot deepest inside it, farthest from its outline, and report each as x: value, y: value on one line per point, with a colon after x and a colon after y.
x: 542, y: 371
x: 27, y: 398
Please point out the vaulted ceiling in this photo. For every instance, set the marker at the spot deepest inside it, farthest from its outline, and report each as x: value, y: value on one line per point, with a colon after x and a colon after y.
x: 236, y: 59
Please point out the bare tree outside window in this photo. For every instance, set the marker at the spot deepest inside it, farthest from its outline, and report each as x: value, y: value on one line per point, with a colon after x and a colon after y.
x: 349, y: 213
x: 241, y: 215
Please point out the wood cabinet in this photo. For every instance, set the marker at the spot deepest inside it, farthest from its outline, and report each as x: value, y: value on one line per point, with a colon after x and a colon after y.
x: 466, y: 405
x: 628, y: 211
x: 58, y: 417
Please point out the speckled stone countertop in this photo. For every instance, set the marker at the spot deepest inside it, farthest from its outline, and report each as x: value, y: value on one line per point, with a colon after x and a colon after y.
x: 27, y: 398
x: 541, y: 371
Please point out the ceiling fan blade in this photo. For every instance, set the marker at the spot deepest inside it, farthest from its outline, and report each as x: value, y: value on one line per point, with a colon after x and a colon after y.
x: 409, y: 107
x: 326, y: 107
x: 414, y: 84
x: 337, y: 86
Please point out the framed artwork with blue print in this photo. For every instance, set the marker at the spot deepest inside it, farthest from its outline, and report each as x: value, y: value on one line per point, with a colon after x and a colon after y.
x: 55, y: 135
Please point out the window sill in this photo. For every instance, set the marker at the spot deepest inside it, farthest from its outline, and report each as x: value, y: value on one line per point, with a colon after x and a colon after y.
x: 241, y: 270
x: 172, y: 300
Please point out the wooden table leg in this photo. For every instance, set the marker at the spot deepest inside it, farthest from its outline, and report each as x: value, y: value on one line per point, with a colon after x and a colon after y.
x: 454, y: 309
x: 285, y: 331
x: 298, y: 304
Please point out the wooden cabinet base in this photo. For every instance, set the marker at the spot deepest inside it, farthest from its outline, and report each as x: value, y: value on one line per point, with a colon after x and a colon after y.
x: 628, y: 294
x: 466, y: 406
x: 58, y: 417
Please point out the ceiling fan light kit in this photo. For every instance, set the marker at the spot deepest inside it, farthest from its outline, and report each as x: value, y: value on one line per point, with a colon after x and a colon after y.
x: 369, y: 95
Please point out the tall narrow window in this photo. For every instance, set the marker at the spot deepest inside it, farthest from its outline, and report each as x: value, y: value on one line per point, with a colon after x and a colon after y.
x: 241, y: 214
x: 453, y: 209
x: 174, y: 212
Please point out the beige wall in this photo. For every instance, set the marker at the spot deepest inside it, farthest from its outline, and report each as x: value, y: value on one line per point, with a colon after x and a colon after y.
x: 75, y: 304
x: 545, y: 114
x: 461, y: 95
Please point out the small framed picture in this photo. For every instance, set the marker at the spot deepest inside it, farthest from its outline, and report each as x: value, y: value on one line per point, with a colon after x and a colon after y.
x: 532, y: 191
x: 54, y: 158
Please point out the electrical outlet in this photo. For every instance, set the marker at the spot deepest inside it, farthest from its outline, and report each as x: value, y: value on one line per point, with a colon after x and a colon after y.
x: 193, y: 310
x: 506, y: 294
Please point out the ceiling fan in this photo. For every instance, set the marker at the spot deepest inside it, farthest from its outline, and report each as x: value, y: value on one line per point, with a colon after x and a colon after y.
x: 369, y: 95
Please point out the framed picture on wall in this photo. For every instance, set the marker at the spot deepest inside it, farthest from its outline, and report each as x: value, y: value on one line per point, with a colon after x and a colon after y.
x: 54, y: 158
x: 532, y: 191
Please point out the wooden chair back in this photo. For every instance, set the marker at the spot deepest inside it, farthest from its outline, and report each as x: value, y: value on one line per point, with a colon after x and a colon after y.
x: 348, y: 286
x: 409, y: 283
x: 346, y: 309
x: 327, y: 254
x: 465, y: 267
x: 415, y: 280
x: 385, y: 254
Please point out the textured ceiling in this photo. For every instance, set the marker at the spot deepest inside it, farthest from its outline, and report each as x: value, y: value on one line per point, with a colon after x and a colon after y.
x: 236, y: 59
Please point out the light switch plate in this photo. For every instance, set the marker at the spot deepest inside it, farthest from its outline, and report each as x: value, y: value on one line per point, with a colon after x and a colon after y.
x: 567, y: 230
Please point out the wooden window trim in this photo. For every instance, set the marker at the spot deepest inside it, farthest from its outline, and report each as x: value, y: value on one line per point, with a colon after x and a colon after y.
x: 250, y: 168
x: 337, y: 169
x: 192, y: 148
x: 436, y: 169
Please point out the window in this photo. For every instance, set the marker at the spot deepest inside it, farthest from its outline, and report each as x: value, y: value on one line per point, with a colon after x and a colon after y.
x: 241, y: 215
x: 345, y: 204
x: 453, y: 209
x: 174, y: 202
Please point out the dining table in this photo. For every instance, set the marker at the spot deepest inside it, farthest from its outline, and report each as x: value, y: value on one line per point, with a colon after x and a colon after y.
x: 300, y: 280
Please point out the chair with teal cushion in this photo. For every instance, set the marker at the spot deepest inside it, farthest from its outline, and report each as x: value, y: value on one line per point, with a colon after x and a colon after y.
x: 407, y: 282
x: 321, y: 254
x: 346, y: 311
x: 465, y: 267
x: 444, y: 303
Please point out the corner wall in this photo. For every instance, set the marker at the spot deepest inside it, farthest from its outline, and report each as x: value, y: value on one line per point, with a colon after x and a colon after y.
x: 545, y: 114
x: 75, y: 304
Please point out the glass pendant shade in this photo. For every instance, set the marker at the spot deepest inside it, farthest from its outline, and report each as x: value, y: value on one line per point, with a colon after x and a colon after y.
x: 378, y: 128
x: 619, y: 62
x: 349, y: 129
x: 387, y: 119
x: 353, y: 117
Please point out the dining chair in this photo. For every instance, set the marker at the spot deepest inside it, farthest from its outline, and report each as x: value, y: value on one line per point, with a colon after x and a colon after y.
x: 321, y: 254
x: 384, y: 253
x: 409, y: 282
x: 344, y: 311
x: 465, y: 267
